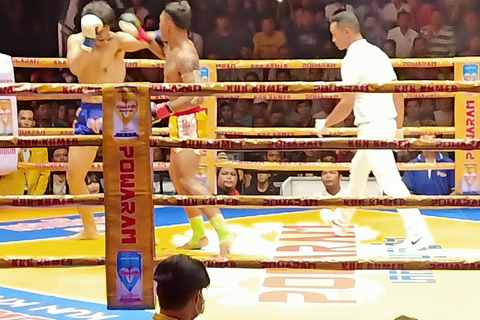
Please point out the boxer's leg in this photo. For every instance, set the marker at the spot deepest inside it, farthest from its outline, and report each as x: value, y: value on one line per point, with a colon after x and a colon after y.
x: 183, y: 171
x: 80, y: 161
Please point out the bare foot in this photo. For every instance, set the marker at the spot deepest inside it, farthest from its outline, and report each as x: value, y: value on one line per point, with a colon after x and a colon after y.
x: 200, y: 243
x: 226, y: 246
x: 84, y: 235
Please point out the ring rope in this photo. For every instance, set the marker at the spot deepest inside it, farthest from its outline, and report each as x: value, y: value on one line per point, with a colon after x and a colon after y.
x: 76, y: 97
x: 269, y: 96
x: 278, y: 201
x: 315, y: 143
x: 96, y: 166
x: 252, y: 165
x: 346, y: 131
x: 251, y: 201
x: 340, y: 264
x: 320, y: 166
x: 244, y: 131
x: 247, y: 64
x: 50, y: 141
x: 69, y: 131
x: 216, y: 88
x: 303, y: 96
x: 250, y: 144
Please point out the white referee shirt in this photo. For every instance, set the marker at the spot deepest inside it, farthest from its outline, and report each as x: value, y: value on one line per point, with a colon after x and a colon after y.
x: 366, y: 63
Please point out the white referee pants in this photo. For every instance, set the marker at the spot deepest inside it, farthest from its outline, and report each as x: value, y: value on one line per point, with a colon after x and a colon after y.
x: 382, y: 163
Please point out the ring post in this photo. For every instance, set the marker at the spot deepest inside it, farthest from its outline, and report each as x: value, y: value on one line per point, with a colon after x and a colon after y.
x: 128, y: 197
x: 466, y: 120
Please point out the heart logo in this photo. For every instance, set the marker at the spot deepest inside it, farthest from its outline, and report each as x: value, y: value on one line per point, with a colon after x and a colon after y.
x: 126, y: 110
x: 129, y: 276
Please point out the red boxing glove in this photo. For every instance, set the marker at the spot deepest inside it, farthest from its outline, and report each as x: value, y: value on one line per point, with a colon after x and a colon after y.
x: 160, y: 111
x: 130, y: 24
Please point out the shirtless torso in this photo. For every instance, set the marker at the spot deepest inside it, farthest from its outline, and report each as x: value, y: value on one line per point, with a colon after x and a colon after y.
x: 105, y: 64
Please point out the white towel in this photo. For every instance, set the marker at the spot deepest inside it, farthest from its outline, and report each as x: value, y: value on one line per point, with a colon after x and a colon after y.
x: 8, y: 117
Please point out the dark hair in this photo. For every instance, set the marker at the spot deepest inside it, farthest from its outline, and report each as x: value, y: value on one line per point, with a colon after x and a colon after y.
x: 52, y: 150
x: 148, y: 17
x: 403, y: 13
x: 102, y: 10
x: 220, y: 169
x: 180, y: 13
x: 37, y: 103
x: 24, y: 106
x: 178, y: 278
x: 413, y: 99
x: 309, y: 102
x: 91, y: 177
x: 372, y: 14
x: 225, y: 104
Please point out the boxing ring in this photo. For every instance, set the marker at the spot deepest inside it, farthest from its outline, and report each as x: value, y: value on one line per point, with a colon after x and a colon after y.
x: 301, y: 249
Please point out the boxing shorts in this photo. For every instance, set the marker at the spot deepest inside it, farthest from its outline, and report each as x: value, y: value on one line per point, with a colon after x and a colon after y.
x: 190, y: 124
x: 89, y: 118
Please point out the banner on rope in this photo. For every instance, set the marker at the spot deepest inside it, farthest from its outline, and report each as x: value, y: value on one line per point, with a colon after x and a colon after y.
x: 247, y: 64
x: 254, y: 144
x: 276, y: 201
x: 319, y: 144
x: 246, y: 202
x: 128, y: 198
x: 326, y: 264
x: 319, y: 166
x: 244, y: 131
x: 50, y: 141
x: 223, y: 88
x: 69, y: 131
x: 96, y: 166
x: 279, y: 166
x: 347, y: 131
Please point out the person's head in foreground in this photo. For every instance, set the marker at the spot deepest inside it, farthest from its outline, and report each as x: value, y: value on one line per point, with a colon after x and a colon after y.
x: 180, y: 282
x: 345, y: 29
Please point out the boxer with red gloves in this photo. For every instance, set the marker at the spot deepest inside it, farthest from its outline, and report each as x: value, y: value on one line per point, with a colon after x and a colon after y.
x: 96, y: 55
x: 187, y: 120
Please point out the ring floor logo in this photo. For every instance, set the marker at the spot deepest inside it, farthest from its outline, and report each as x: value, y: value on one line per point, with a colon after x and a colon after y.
x: 24, y: 305
x: 36, y: 229
x: 54, y: 227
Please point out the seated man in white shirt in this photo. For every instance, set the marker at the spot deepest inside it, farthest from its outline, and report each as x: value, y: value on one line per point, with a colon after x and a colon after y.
x: 333, y: 189
x: 403, y: 35
x: 331, y: 181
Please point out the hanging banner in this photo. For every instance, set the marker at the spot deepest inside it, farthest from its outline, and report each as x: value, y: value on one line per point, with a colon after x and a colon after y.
x: 128, y: 198
x: 466, y: 120
x: 8, y: 117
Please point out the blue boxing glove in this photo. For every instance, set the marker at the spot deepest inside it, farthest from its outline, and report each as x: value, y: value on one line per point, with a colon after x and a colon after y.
x: 90, y: 24
x: 158, y: 37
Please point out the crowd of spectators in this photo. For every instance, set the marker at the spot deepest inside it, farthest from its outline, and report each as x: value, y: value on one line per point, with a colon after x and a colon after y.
x: 267, y: 29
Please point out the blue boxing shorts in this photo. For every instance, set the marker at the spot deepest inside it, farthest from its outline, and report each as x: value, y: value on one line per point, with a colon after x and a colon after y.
x: 89, y: 118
